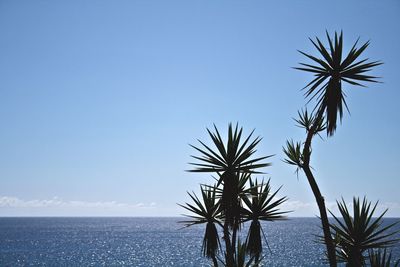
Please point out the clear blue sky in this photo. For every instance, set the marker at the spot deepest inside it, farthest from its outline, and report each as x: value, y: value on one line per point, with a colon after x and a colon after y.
x: 100, y: 99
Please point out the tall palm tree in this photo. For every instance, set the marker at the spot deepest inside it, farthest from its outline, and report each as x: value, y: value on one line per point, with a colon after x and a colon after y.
x: 359, y: 232
x: 331, y: 71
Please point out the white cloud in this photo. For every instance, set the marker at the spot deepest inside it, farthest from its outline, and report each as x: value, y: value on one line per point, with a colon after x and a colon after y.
x: 14, y: 206
x: 14, y: 202
x: 10, y: 206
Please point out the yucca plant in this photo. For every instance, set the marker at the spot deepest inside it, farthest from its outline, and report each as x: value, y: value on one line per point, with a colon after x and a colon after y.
x: 235, y: 198
x: 206, y: 211
x: 331, y: 69
x: 377, y: 258
x: 359, y: 232
x: 228, y: 161
x: 261, y: 205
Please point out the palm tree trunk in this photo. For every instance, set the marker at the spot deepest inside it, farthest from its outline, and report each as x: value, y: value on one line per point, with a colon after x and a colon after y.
x: 229, y: 260
x: 317, y: 193
x: 233, y: 241
x: 324, y: 217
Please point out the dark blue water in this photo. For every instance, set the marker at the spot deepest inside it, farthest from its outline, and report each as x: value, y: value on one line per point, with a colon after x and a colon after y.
x: 141, y: 242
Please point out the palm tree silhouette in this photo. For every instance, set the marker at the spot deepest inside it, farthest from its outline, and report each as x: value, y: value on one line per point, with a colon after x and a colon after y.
x: 332, y: 69
x: 234, y: 199
x: 228, y: 162
x: 360, y: 232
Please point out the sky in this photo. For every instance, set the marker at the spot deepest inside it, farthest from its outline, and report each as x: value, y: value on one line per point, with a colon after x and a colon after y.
x: 99, y: 101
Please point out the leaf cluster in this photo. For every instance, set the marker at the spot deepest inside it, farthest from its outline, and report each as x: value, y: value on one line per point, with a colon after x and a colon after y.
x: 330, y: 71
x: 295, y: 153
x: 234, y: 156
x: 359, y: 232
x: 229, y: 160
x: 310, y: 122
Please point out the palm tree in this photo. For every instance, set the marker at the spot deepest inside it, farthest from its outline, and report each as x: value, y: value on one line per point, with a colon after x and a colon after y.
x: 360, y: 232
x: 331, y: 70
x: 234, y: 199
x: 229, y: 161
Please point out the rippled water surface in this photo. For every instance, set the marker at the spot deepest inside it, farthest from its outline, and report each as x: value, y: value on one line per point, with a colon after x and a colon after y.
x: 141, y: 242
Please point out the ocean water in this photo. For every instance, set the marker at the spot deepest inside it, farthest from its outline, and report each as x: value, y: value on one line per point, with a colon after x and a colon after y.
x: 143, y: 242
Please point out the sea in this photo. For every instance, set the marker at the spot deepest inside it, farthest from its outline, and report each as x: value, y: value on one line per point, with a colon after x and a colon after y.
x: 77, y: 241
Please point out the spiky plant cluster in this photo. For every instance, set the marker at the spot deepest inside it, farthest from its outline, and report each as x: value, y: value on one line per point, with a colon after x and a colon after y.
x: 359, y: 232
x: 235, y: 199
x: 331, y: 70
x: 229, y: 161
x: 261, y: 205
x: 295, y: 153
x: 205, y: 211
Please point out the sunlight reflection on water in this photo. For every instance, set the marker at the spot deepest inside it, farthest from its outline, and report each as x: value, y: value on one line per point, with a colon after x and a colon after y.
x: 141, y: 242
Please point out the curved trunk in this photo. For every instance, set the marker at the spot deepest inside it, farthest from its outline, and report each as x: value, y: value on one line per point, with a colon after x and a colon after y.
x: 317, y: 193
x: 323, y: 215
